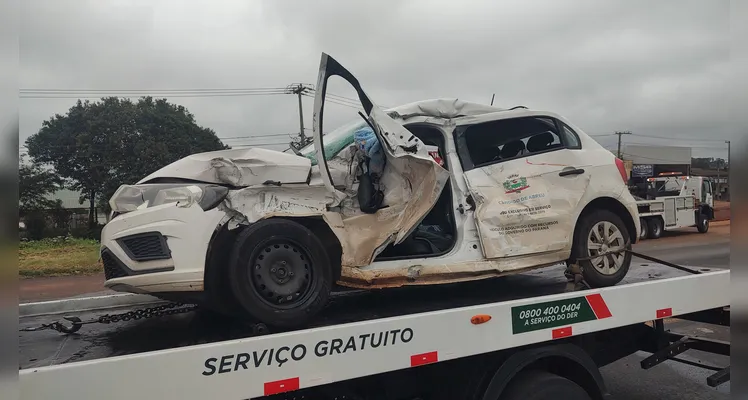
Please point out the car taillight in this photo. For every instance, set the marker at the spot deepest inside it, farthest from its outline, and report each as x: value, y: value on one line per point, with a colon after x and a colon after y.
x: 622, y: 170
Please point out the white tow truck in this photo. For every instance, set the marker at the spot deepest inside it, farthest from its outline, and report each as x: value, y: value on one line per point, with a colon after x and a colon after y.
x: 672, y: 201
x: 539, y: 334
x: 527, y: 336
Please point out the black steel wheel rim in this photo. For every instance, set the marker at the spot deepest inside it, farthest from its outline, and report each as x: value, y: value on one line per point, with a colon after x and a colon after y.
x: 280, y: 273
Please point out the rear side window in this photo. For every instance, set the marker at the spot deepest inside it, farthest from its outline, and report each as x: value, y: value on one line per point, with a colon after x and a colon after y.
x: 497, y: 141
x: 570, y: 137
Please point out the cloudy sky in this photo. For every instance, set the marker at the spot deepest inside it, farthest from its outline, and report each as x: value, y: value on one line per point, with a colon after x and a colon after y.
x: 658, y: 69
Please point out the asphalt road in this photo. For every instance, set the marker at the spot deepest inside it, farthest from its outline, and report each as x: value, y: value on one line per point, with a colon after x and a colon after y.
x: 688, y: 247
x: 626, y: 380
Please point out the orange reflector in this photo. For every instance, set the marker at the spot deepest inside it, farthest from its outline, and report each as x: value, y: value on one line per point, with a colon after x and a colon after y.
x: 480, y: 319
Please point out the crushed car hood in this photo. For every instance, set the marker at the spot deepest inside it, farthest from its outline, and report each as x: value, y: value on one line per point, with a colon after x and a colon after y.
x: 238, y: 167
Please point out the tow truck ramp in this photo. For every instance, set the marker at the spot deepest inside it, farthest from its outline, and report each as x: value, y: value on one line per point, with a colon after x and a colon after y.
x: 394, y: 336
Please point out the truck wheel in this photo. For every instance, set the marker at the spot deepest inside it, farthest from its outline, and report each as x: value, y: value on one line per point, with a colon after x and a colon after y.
x: 280, y: 273
x: 541, y: 385
x: 655, y: 228
x: 601, y: 232
x: 644, y: 230
x: 702, y: 224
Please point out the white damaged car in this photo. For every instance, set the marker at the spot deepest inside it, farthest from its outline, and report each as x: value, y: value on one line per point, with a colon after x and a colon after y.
x: 431, y: 192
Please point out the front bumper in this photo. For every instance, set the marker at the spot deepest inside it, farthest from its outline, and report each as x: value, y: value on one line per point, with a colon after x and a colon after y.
x: 159, y: 249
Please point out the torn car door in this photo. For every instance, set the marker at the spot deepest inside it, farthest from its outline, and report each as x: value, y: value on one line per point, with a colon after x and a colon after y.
x: 412, y: 181
x: 526, y: 192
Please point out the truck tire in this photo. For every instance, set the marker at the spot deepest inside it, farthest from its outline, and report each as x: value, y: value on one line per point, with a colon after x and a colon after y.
x: 280, y: 273
x: 702, y: 223
x: 590, y: 239
x: 541, y: 385
x: 644, y: 230
x: 655, y: 228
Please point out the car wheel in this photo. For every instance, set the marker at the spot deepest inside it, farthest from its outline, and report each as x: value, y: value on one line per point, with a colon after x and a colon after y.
x: 541, y: 385
x: 600, y: 233
x: 644, y: 229
x: 280, y: 273
x: 703, y: 223
x: 655, y: 228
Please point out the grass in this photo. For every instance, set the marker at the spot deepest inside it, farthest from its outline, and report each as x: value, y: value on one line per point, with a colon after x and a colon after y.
x: 58, y: 257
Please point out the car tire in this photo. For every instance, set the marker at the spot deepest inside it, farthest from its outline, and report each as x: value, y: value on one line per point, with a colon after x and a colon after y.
x: 280, y: 273
x: 590, y: 240
x: 702, y: 224
x: 655, y: 228
x: 644, y: 229
x: 541, y: 385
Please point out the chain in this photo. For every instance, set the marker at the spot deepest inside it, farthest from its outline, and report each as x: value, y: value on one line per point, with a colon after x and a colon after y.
x: 144, y: 313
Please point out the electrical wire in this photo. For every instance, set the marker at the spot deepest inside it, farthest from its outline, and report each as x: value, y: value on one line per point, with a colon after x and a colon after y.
x: 679, y: 138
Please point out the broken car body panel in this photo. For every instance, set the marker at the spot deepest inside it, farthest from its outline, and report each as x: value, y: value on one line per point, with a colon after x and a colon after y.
x: 409, y: 171
x: 237, y: 167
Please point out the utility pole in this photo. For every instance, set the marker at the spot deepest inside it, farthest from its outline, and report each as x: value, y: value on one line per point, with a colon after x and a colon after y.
x: 727, y: 175
x: 620, y: 134
x: 300, y: 89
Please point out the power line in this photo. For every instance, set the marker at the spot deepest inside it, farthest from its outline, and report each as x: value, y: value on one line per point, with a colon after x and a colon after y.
x: 331, y: 100
x: 152, y: 94
x: 256, y: 136
x: 258, y: 144
x: 692, y: 146
x: 149, y: 90
x: 678, y: 138
x: 201, y: 92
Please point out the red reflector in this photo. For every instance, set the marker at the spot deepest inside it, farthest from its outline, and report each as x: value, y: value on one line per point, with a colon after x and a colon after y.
x: 622, y: 170
x: 285, y: 385
x: 664, y: 313
x: 561, y: 332
x: 423, y: 359
x: 598, y: 306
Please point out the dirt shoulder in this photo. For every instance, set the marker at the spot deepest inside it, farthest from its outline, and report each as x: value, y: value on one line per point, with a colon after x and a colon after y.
x: 60, y: 287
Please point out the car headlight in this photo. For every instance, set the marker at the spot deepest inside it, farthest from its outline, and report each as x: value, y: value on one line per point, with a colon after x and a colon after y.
x: 133, y: 197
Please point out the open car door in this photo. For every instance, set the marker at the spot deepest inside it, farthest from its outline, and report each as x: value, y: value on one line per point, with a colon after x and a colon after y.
x: 412, y: 180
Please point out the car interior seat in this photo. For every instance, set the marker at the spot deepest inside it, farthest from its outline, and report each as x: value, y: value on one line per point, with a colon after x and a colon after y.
x: 540, y: 142
x: 512, y: 149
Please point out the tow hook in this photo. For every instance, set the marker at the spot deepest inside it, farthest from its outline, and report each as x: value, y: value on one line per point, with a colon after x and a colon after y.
x: 75, y: 326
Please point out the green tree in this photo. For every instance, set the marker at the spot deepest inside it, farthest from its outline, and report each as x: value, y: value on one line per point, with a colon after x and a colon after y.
x: 34, y: 185
x: 708, y: 163
x: 99, y: 146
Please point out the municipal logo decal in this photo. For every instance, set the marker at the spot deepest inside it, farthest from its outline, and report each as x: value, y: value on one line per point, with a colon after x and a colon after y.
x: 515, y: 184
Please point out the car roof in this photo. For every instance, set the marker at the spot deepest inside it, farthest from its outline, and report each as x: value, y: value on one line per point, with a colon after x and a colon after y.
x: 446, y: 108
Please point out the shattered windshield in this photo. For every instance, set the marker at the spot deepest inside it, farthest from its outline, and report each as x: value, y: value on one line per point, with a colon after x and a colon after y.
x: 335, y: 141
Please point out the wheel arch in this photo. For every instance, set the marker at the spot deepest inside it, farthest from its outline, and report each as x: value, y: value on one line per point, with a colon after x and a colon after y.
x: 566, y: 360
x: 223, y: 239
x: 328, y: 238
x: 615, y: 206
x: 706, y: 209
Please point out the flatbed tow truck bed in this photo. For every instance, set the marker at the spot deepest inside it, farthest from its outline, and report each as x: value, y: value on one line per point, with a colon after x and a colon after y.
x: 371, y: 334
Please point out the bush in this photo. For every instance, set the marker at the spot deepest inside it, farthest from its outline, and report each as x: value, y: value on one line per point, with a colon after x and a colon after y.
x: 60, y: 218
x: 85, y: 233
x: 36, y: 225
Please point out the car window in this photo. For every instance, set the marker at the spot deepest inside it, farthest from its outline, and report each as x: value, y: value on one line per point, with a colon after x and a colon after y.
x: 335, y: 141
x: 502, y: 140
x: 570, y: 137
